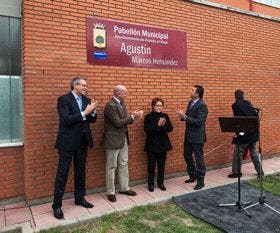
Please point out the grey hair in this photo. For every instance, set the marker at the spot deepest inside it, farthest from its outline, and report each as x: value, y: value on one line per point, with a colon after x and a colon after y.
x: 75, y: 81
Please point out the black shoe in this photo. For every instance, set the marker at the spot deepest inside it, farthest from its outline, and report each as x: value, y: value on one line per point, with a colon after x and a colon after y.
x: 112, y: 198
x: 234, y: 175
x: 82, y: 202
x: 162, y: 187
x: 199, y: 185
x: 129, y: 193
x: 151, y: 188
x: 57, y: 213
x: 191, y: 180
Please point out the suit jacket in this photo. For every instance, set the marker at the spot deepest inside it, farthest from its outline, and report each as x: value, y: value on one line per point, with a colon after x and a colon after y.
x: 116, y: 120
x: 195, y: 122
x: 157, y: 140
x: 243, y: 107
x: 72, y: 127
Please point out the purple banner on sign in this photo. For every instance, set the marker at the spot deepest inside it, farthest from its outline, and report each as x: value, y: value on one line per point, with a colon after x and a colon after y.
x: 117, y: 43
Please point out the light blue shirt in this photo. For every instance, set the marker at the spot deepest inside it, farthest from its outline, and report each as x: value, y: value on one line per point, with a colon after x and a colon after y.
x: 80, y: 104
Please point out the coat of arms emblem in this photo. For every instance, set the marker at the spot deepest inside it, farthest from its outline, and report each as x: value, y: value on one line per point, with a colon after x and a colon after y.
x: 99, y: 36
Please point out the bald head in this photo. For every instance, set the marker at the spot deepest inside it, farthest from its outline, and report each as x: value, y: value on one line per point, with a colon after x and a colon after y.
x: 119, y: 88
x: 120, y: 92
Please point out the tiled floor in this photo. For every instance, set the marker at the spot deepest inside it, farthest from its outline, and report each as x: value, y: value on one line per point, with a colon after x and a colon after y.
x: 40, y: 216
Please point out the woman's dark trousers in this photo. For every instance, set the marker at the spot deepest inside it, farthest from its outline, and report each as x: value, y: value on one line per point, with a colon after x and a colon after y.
x: 160, y: 159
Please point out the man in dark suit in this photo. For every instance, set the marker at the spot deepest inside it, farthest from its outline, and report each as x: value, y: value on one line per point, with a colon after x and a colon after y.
x: 76, y: 112
x: 116, y: 140
x: 242, y: 107
x: 195, y: 136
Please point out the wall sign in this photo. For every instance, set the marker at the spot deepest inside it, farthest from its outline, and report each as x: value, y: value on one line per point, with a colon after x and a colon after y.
x: 117, y: 43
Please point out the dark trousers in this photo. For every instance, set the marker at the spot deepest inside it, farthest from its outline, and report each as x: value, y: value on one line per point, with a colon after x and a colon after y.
x: 65, y: 158
x: 195, y: 169
x: 160, y: 159
x: 253, y: 153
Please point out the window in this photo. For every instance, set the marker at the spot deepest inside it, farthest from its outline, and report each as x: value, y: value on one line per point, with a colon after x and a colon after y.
x: 11, y: 111
x: 274, y: 3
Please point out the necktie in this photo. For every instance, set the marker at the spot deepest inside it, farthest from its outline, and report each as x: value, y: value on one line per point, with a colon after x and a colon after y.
x: 79, y: 99
x: 121, y: 104
x: 192, y: 104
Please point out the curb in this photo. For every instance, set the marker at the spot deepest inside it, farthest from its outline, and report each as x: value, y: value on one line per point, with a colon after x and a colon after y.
x: 21, y: 227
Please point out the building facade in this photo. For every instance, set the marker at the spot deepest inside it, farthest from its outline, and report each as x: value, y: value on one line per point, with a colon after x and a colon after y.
x: 231, y: 44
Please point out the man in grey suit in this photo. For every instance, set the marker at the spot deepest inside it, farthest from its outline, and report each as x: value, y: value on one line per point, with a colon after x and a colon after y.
x: 195, y: 136
x: 116, y: 140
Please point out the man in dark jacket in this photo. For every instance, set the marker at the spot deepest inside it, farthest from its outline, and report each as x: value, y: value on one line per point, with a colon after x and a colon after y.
x: 242, y: 107
x: 76, y: 112
x: 195, y: 136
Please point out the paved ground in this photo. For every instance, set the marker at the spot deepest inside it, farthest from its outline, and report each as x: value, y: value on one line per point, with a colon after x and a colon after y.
x: 36, y: 218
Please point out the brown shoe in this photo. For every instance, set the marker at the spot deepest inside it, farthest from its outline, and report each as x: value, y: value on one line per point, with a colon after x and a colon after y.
x: 129, y: 193
x: 112, y: 198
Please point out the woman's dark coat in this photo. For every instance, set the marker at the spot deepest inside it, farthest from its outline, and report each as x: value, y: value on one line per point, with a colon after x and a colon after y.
x: 157, y: 140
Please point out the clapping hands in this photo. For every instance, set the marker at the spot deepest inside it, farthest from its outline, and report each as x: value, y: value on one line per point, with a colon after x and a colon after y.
x: 138, y: 113
x: 180, y: 113
x: 90, y: 107
x: 161, y: 121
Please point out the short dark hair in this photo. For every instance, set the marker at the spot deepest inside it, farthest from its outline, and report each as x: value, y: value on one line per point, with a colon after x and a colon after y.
x: 75, y: 81
x: 155, y: 100
x: 239, y: 94
x: 199, y: 90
